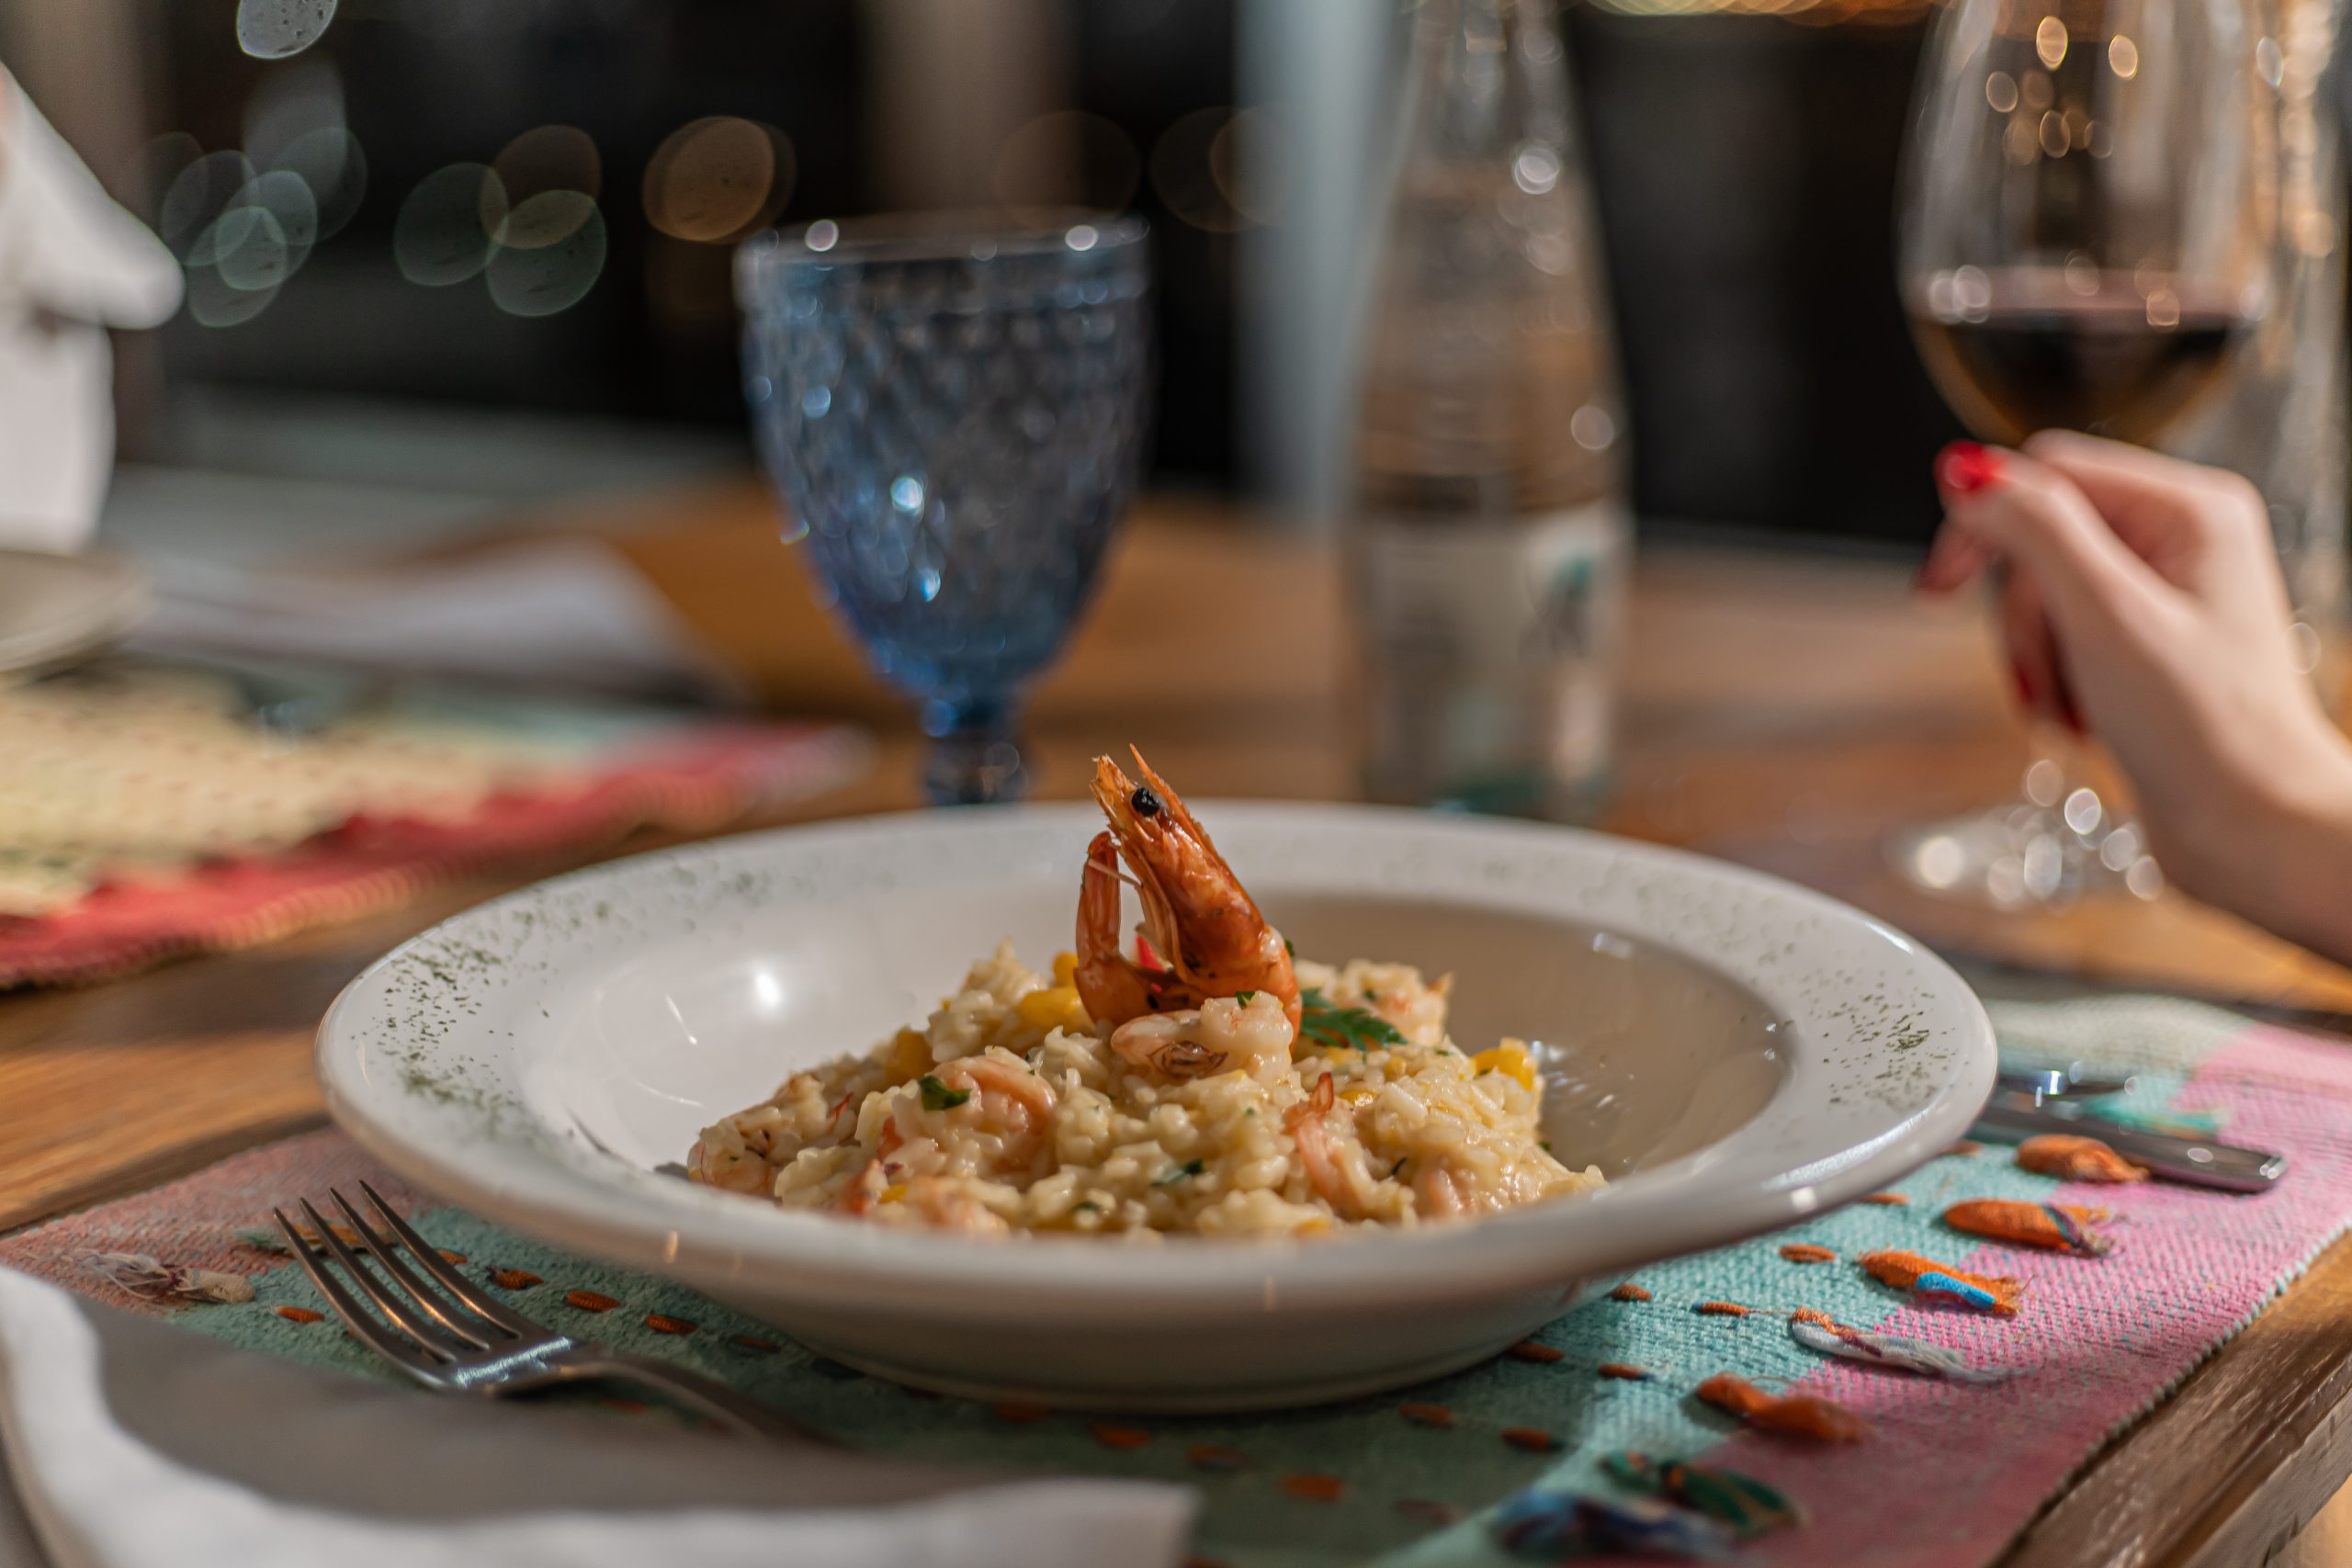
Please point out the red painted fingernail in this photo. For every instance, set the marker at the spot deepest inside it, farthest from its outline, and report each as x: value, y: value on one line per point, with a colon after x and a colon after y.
x: 1964, y: 467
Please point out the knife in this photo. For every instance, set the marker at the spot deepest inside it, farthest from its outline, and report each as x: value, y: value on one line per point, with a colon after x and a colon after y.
x: 2013, y: 1115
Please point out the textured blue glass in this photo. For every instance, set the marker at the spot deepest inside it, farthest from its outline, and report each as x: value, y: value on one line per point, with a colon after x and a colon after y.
x: 956, y: 422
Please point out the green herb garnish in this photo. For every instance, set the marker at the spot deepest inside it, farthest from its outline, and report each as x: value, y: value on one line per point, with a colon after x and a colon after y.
x: 1289, y: 949
x: 1245, y: 997
x: 1320, y: 1023
x: 1189, y: 1169
x: 938, y: 1095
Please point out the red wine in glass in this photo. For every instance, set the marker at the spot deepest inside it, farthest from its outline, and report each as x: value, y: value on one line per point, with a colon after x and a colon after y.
x: 2016, y: 350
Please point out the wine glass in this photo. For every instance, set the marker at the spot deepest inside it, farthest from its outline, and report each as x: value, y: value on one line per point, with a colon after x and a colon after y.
x: 2086, y: 238
x: 955, y: 417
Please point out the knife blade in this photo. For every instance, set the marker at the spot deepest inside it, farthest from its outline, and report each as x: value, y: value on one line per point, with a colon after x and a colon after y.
x: 2011, y: 1117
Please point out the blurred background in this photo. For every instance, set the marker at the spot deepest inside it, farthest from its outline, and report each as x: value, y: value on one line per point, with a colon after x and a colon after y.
x: 1743, y: 154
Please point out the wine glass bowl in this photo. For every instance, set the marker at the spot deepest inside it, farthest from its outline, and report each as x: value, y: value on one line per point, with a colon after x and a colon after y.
x: 2087, y: 237
x: 953, y: 417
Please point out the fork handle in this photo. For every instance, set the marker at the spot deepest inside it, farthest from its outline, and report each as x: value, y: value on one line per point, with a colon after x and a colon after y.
x: 706, y: 1396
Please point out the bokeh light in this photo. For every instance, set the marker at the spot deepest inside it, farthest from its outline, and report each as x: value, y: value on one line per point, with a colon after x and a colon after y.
x: 332, y: 163
x: 544, y: 158
x: 1066, y: 160
x: 440, y: 236
x: 1182, y: 176
x: 272, y: 29
x: 198, y: 195
x: 551, y: 253
x: 719, y: 179
x: 214, y: 301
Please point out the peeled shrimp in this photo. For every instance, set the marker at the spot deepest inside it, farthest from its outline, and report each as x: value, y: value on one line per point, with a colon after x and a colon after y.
x: 1304, y: 1121
x: 1196, y: 914
x: 1222, y: 1035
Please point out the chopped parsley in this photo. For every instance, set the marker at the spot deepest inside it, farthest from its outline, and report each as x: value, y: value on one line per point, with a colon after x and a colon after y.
x: 1245, y: 997
x: 1289, y: 949
x: 1320, y: 1023
x: 938, y: 1095
x: 1191, y: 1167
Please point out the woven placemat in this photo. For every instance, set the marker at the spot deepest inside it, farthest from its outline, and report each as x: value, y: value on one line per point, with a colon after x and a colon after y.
x: 1948, y: 1473
x: 145, y: 814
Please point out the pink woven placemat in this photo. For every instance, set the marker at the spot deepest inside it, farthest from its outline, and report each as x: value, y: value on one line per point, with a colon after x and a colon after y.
x: 1949, y: 1475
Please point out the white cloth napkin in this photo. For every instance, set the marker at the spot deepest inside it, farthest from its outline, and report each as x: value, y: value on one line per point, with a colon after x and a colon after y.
x: 72, y: 265
x: 129, y: 1443
x: 567, y: 614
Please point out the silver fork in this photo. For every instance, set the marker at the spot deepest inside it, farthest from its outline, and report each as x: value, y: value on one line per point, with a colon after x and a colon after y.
x: 476, y: 1343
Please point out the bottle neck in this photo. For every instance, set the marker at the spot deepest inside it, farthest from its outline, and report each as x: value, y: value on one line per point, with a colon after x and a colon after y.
x: 1488, y: 78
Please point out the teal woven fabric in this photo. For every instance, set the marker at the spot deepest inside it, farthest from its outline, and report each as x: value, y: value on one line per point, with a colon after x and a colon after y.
x: 1403, y: 1478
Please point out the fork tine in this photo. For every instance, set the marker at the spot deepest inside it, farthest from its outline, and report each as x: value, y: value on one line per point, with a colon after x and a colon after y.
x: 427, y: 1338
x: 356, y: 1318
x: 458, y: 1325
x: 429, y: 1257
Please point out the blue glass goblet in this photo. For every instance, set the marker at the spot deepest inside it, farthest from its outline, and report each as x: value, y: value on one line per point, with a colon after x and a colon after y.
x: 954, y: 419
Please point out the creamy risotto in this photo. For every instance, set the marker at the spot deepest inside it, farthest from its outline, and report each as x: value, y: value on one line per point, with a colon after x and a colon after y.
x: 1228, y: 1088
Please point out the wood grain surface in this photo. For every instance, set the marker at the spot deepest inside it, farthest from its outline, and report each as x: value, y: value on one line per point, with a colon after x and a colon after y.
x: 1780, y: 709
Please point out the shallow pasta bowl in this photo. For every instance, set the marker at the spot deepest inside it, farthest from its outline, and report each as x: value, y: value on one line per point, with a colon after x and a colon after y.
x: 1734, y: 1052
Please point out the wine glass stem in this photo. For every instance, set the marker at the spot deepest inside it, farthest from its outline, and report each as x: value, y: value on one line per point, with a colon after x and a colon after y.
x: 975, y: 758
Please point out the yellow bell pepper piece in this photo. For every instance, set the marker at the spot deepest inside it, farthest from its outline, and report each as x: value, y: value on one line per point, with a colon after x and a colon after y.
x: 1056, y: 1006
x: 1510, y: 1059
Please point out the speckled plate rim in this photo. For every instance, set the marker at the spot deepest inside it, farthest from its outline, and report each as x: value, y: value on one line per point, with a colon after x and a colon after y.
x: 1889, y: 1056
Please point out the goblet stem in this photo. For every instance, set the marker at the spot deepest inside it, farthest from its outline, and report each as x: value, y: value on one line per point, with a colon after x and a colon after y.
x: 975, y: 757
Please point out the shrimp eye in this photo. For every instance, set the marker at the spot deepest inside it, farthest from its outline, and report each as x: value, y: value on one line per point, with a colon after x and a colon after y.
x: 1145, y: 803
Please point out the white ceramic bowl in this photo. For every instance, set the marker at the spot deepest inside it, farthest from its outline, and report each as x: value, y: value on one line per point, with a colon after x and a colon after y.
x: 1734, y: 1052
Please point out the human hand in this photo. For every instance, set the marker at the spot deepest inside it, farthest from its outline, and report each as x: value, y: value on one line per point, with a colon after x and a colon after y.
x: 2143, y: 601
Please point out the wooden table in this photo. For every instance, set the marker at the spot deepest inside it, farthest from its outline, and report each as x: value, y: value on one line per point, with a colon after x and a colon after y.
x: 1782, y: 709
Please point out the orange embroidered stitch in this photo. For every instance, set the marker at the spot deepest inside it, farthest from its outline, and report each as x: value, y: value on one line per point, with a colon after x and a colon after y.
x: 299, y: 1315
x: 2070, y: 1158
x: 1888, y: 1199
x: 1629, y: 1292
x: 1533, y: 1440
x: 1309, y: 1487
x: 1964, y: 1149
x: 2053, y: 1227
x: 1806, y: 1252
x: 751, y: 1342
x: 661, y: 1324
x: 1528, y: 1350
x: 1905, y: 1269
x: 1801, y: 1415
x: 449, y: 1256
x: 591, y: 1301
x: 1808, y: 1314
x: 1122, y: 1438
x: 513, y: 1279
x: 1019, y: 1414
x: 1624, y: 1370
x: 1721, y: 1309
x: 1427, y: 1414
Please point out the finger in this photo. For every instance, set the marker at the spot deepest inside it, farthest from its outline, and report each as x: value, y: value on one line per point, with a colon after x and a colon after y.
x: 2032, y: 651
x: 1955, y: 559
x: 2034, y: 517
x: 2167, y: 511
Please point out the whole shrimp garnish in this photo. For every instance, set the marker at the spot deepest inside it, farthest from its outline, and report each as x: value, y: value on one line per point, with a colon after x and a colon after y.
x: 1197, y: 916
